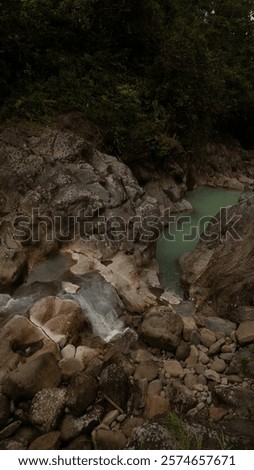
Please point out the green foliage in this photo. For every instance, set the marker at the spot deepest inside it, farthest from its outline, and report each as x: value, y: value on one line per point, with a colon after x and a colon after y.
x: 155, y: 75
x: 174, y: 423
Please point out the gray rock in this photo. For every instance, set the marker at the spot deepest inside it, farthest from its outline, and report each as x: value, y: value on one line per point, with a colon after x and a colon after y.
x: 47, y: 407
x: 217, y: 324
x: 152, y: 436
x: 72, y: 427
x: 162, y: 330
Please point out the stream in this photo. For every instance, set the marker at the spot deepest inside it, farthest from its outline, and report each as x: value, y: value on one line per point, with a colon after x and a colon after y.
x: 182, y: 235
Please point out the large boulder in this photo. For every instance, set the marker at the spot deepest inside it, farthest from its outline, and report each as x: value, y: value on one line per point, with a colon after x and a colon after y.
x: 152, y: 436
x: 47, y: 408
x: 162, y: 329
x: 32, y: 376
x: 219, y: 274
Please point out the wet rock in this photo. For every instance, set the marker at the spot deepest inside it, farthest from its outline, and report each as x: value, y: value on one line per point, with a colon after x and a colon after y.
x: 152, y: 436
x: 47, y: 407
x: 147, y: 370
x: 85, y: 355
x: 109, y: 440
x: 162, y: 330
x: 49, y: 441
x: 59, y: 319
x: 81, y: 393
x: 30, y: 377
x: 114, y: 384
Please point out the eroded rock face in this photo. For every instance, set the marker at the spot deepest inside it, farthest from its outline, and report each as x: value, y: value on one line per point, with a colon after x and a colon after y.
x: 53, y: 180
x: 219, y: 275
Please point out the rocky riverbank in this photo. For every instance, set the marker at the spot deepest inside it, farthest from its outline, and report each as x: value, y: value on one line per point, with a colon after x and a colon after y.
x: 67, y: 381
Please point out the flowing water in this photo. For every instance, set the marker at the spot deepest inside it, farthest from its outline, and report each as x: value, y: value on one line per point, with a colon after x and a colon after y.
x: 182, y: 234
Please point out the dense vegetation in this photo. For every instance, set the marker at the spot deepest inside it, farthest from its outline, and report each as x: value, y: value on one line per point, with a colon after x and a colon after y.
x: 155, y: 75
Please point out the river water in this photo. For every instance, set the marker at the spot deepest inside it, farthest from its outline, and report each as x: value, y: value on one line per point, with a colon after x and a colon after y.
x: 182, y: 234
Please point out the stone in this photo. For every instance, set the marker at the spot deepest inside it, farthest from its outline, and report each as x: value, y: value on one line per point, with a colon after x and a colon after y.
x: 216, y: 347
x: 192, y: 358
x: 180, y: 397
x: 13, y: 265
x: 195, y: 338
x: 173, y: 368
x: 183, y: 351
x: 216, y: 414
x: 139, y: 392
x: 109, y: 440
x: 218, y: 365
x: 110, y: 417
x: 227, y: 357
x: 80, y: 443
x: 207, y: 337
x: 212, y: 375
x: 68, y: 352
x: 9, y: 430
x: 238, y: 398
x: 155, y: 406
x: 200, y: 368
x: 131, y: 424
x: 69, y: 367
x: 5, y: 409
x: 190, y: 381
x: 217, y: 324
x: 245, y: 332
x: 154, y: 387
x: 162, y: 330
x: 203, y: 358
x: 189, y: 325
x: 85, y: 355
x: 30, y: 377
x: 13, y: 444
x: 47, y: 408
x: 147, y: 370
x: 142, y: 355
x: 49, y: 441
x: 72, y: 426
x: 81, y: 393
x: 152, y: 436
x: 114, y: 384
x: 118, y: 358
x: 59, y: 319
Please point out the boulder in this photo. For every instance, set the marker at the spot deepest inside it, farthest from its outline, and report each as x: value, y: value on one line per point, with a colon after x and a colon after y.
x: 114, y: 384
x: 32, y: 376
x: 147, y: 370
x: 74, y: 426
x: 106, y: 439
x: 245, y: 332
x: 59, y: 319
x: 47, y: 407
x: 152, y: 436
x: 81, y: 393
x: 162, y: 330
x: 49, y: 441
